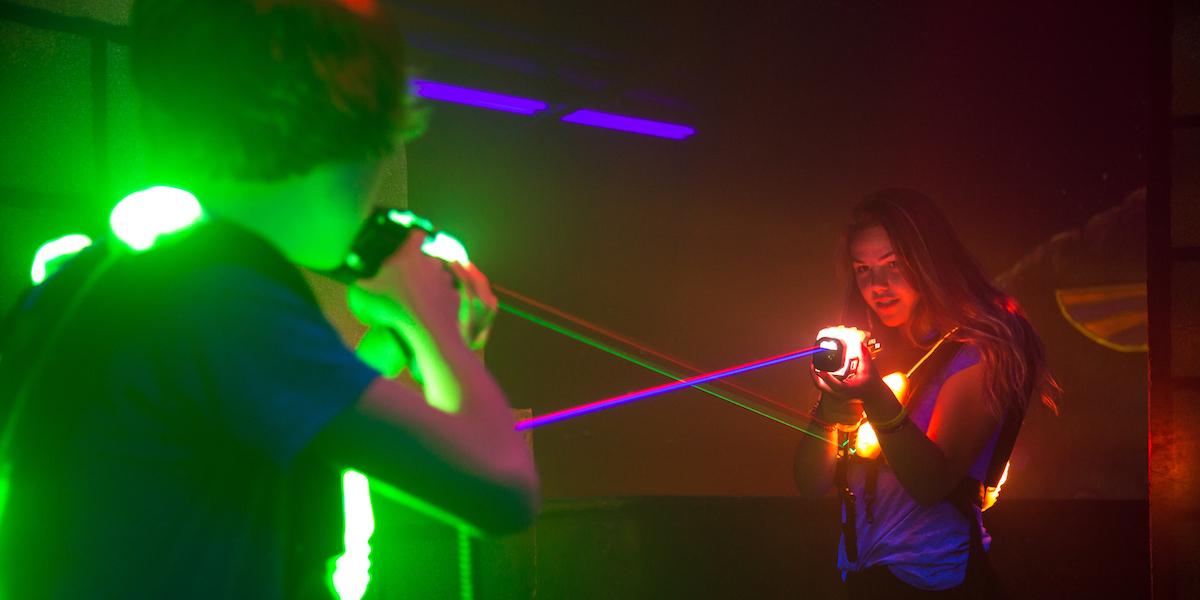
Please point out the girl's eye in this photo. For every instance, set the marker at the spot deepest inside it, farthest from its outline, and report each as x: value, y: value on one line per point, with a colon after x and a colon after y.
x: 861, y: 268
x: 893, y: 265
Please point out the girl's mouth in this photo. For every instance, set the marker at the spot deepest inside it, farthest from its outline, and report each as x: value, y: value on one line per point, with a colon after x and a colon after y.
x: 887, y: 304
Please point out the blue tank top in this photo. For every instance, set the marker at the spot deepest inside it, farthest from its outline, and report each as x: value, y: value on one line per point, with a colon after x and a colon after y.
x: 924, y: 546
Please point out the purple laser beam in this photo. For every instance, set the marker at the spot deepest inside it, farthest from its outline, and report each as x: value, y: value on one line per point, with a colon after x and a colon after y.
x: 599, y: 405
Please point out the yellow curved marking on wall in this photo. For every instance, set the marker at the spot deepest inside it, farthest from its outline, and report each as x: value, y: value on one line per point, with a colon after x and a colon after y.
x: 1116, y: 323
x: 1099, y: 330
x: 1092, y: 295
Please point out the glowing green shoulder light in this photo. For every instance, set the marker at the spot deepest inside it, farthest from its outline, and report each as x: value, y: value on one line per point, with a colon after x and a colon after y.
x: 142, y: 217
x: 53, y: 254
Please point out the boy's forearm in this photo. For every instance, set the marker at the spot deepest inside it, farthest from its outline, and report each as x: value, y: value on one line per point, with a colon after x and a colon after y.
x: 456, y: 381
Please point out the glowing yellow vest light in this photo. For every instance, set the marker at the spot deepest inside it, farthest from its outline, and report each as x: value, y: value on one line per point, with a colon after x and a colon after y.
x: 867, y: 443
x: 991, y: 494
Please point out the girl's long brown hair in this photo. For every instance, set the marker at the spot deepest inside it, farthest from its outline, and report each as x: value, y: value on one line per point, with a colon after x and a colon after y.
x: 953, y: 293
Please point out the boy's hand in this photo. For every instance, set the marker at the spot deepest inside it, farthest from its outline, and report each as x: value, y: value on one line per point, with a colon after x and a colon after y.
x: 477, y: 305
x: 411, y: 290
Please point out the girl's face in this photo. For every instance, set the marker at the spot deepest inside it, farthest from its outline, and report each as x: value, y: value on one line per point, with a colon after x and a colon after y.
x: 879, y: 277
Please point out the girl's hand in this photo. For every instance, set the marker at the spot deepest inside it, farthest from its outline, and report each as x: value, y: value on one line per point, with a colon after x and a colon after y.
x: 860, y: 377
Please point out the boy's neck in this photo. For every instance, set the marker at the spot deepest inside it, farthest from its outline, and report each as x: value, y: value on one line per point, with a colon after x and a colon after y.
x: 311, y: 219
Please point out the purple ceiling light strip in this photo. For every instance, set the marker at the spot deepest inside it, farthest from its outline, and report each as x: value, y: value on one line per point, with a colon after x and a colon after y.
x: 483, y: 99
x: 596, y: 118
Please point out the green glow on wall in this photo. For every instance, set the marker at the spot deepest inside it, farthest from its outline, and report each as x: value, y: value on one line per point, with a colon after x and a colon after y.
x: 447, y: 248
x: 141, y: 217
x: 403, y: 498
x: 351, y: 573
x: 52, y: 255
x: 5, y: 471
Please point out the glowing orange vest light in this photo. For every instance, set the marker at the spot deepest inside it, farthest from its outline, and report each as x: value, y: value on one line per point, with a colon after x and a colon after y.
x: 867, y: 443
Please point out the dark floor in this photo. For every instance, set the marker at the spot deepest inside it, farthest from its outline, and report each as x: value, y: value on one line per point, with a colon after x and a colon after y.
x: 700, y: 547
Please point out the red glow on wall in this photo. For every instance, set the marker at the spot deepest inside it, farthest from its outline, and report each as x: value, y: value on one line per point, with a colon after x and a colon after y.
x: 362, y: 7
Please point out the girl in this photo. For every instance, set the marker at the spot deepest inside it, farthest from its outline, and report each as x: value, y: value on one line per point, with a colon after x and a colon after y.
x: 911, y: 514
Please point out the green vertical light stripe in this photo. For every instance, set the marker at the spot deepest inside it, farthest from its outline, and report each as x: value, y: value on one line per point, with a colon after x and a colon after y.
x: 351, y: 573
x: 466, y: 569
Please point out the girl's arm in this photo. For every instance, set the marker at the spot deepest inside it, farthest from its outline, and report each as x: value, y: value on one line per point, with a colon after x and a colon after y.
x: 928, y: 466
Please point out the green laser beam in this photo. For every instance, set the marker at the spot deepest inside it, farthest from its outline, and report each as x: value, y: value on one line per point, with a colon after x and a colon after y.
x: 651, y: 367
x: 354, y: 578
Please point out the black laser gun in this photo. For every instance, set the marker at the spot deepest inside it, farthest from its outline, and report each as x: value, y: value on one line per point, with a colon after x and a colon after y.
x: 380, y: 235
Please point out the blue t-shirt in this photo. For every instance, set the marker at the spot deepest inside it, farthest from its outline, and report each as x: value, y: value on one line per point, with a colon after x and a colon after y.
x: 925, y: 546
x: 154, y: 456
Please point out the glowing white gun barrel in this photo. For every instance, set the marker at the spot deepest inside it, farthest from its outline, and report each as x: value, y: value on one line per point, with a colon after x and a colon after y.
x: 843, y: 355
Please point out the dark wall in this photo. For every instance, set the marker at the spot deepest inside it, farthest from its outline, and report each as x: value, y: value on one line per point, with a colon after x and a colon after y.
x: 1022, y: 120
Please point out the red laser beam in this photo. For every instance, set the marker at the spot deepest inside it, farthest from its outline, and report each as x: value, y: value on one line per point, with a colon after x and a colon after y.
x: 657, y: 390
x: 580, y: 321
